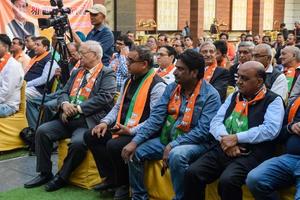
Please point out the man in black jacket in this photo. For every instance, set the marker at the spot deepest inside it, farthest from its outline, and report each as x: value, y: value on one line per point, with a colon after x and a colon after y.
x: 215, y: 75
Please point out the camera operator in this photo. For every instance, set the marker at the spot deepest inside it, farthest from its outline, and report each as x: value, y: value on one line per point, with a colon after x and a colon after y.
x: 100, y: 33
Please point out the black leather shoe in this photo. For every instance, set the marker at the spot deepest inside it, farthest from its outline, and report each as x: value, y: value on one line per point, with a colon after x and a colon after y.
x: 104, y: 186
x: 55, y: 184
x: 39, y: 180
x: 122, y: 193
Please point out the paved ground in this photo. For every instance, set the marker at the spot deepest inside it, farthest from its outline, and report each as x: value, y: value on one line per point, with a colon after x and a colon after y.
x: 15, y: 172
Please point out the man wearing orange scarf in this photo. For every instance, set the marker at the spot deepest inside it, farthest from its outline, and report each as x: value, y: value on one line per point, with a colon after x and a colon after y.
x: 139, y: 94
x: 281, y: 171
x: 11, y: 79
x: 182, y: 117
x: 243, y: 128
x: 165, y: 60
x: 215, y: 75
x: 290, y: 59
x: 17, y: 49
x: 36, y: 72
x: 86, y: 98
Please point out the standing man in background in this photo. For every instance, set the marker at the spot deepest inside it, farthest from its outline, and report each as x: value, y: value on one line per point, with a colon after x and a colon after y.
x: 101, y: 33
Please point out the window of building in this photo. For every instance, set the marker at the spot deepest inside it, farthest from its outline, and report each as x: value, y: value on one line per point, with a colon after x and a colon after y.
x: 268, y: 14
x: 167, y: 15
x: 239, y: 15
x: 209, y: 13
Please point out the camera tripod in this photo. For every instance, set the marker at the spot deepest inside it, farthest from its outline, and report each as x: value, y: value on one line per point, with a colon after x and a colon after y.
x: 60, y: 47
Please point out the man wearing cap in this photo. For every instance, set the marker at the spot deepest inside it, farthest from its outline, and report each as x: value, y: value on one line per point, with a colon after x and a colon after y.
x: 101, y: 33
x: 11, y: 79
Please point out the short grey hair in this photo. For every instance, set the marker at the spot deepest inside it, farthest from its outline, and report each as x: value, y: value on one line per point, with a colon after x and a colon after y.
x: 248, y: 44
x: 297, y: 54
x: 207, y: 43
x: 144, y: 53
x: 94, y: 47
x: 295, y: 50
x: 267, y: 48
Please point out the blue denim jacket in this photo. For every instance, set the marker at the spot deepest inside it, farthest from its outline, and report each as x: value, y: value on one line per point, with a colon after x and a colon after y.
x: 207, y: 104
x: 105, y: 37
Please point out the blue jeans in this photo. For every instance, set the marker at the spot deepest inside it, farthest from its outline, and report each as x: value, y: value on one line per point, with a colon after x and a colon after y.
x: 273, y: 174
x: 6, y: 110
x: 179, y: 159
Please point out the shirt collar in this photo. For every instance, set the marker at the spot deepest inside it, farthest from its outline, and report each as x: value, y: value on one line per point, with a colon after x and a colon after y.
x: 100, y: 28
x: 270, y: 69
x: 91, y: 71
x: 19, y: 23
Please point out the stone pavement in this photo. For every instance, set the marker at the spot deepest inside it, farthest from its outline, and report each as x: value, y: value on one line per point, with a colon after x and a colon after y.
x: 15, y: 172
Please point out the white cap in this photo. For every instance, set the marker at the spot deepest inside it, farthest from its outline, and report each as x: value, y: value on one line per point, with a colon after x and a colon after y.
x: 97, y: 8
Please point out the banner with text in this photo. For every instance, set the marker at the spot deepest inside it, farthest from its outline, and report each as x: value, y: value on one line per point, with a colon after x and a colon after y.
x: 20, y: 17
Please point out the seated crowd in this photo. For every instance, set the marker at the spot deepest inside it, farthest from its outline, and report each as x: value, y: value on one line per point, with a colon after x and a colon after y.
x: 166, y: 100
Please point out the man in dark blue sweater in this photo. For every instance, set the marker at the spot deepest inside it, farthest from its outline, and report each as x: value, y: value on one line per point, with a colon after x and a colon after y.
x: 101, y: 33
x: 284, y: 170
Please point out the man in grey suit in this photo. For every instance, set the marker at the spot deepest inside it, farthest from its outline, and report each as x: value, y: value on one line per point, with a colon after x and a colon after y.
x: 86, y: 99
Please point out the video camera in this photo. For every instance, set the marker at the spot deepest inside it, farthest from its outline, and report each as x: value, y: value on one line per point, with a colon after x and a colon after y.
x: 58, y: 20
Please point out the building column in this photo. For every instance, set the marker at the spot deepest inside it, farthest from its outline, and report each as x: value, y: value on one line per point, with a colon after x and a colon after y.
x: 278, y: 13
x: 258, y: 17
x: 197, y: 18
x: 126, y: 15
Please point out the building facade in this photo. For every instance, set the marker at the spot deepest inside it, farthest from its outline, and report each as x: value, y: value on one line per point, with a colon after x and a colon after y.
x: 255, y: 16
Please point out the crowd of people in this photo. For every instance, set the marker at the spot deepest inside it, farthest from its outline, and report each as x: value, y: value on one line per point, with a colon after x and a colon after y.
x: 209, y: 111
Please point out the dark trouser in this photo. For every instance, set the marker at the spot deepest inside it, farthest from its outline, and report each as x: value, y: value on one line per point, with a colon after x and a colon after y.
x: 215, y: 164
x: 107, y: 155
x: 100, y: 154
x: 114, y: 147
x: 56, y: 130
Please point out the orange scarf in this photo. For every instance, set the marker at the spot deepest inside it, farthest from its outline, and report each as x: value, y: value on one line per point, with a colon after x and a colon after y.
x: 18, y: 56
x: 175, y: 103
x: 209, y: 72
x: 138, y: 101
x: 86, y: 90
x: 34, y: 60
x: 238, y: 119
x: 293, y: 110
x: 223, y: 63
x: 162, y: 72
x: 4, y: 60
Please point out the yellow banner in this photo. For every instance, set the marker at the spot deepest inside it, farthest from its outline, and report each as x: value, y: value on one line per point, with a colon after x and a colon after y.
x: 20, y: 17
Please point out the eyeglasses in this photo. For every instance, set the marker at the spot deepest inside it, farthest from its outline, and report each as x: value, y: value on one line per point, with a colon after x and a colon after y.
x: 130, y: 61
x: 244, y: 52
x: 176, y: 45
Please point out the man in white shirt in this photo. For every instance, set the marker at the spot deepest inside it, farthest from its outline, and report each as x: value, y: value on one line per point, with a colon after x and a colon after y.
x: 165, y: 60
x: 275, y: 80
x: 17, y: 50
x: 11, y: 79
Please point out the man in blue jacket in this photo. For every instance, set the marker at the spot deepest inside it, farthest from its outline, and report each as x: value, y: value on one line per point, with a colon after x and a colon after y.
x: 101, y: 33
x: 282, y: 171
x: 182, y: 116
